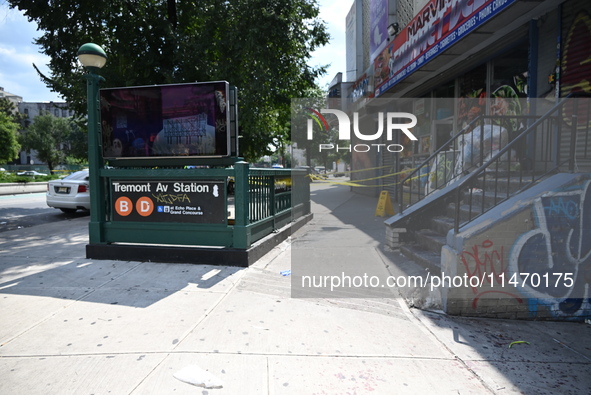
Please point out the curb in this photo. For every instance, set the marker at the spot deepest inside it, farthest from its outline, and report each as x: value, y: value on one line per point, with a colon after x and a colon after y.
x: 15, y: 188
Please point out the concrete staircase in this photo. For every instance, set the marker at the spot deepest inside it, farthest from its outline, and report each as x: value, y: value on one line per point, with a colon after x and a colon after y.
x: 423, y: 243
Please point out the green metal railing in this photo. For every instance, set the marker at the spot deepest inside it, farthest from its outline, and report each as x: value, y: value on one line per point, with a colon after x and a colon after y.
x: 264, y: 201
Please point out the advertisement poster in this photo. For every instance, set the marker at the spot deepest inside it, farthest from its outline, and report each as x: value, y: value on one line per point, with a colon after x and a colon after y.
x: 378, y: 14
x: 169, y: 201
x: 165, y: 120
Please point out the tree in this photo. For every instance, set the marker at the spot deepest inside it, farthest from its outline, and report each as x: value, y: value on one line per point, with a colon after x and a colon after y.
x: 302, y: 111
x: 9, y: 146
x: 260, y: 46
x: 45, y: 135
x: 77, y: 143
x: 9, y: 108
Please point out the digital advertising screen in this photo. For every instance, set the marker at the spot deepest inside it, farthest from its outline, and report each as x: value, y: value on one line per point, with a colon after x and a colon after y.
x: 181, y: 120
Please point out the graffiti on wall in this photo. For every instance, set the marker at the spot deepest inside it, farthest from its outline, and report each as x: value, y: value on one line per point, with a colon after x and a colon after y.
x: 538, y: 257
x: 560, y: 244
x: 576, y: 61
x: 576, y: 68
x: 487, y: 262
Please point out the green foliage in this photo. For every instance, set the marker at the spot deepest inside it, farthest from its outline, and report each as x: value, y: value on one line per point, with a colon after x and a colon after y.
x: 9, y: 146
x: 9, y: 108
x: 260, y: 46
x: 8, y: 177
x: 300, y: 110
x: 77, y: 142
x: 45, y: 135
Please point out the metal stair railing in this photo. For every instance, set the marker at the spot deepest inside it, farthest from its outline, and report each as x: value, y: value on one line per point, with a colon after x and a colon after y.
x: 448, y: 162
x: 570, y: 118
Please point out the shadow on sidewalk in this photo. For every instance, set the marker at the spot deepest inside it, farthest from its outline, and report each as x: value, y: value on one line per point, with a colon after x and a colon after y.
x: 555, y: 358
x: 49, y: 261
x: 345, y: 243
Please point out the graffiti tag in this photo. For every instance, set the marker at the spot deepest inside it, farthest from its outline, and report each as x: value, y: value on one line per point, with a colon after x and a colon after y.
x: 171, y: 198
x: 487, y: 263
x: 560, y: 244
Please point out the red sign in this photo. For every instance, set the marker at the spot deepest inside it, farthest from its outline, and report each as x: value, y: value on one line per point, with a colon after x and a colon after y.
x: 440, y: 24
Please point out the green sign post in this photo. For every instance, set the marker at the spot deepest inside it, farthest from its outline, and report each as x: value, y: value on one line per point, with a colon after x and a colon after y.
x: 93, y: 58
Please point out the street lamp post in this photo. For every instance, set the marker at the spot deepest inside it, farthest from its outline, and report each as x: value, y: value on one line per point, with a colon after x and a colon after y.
x: 93, y: 58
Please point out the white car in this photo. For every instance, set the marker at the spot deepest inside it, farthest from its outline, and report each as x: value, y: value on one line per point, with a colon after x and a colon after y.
x: 70, y: 193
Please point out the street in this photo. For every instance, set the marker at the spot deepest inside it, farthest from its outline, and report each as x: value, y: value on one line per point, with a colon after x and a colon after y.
x: 23, y: 211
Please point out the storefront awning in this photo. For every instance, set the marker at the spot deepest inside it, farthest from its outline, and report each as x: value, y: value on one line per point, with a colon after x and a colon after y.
x: 485, y: 40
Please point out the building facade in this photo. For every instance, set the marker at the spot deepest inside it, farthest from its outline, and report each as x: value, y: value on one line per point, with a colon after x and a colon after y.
x: 456, y: 64
x: 466, y: 50
x: 15, y: 99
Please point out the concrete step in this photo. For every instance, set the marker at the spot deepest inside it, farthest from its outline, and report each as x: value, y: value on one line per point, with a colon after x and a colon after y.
x: 442, y: 225
x: 490, y: 198
x: 430, y: 240
x: 466, y: 213
x: 423, y: 258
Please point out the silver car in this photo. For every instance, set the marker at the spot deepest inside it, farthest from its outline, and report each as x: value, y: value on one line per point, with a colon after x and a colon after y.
x: 70, y: 193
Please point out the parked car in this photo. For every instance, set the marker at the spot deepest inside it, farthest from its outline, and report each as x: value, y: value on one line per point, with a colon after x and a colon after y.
x: 31, y: 173
x: 70, y: 193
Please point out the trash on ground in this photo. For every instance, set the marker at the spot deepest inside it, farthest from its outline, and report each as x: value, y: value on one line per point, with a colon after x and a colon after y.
x: 518, y: 342
x: 285, y: 273
x: 194, y: 375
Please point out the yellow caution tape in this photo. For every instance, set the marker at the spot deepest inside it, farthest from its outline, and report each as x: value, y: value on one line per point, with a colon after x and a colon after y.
x: 356, y: 182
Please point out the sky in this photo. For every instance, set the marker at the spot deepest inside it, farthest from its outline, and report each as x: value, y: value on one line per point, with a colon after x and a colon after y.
x: 18, y: 53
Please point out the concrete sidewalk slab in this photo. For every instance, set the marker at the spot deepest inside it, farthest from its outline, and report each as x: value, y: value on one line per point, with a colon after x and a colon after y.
x: 76, y: 374
x: 360, y: 375
x: 486, y: 339
x: 116, y: 322
x: 332, y: 272
x: 55, y: 273
x: 263, y: 324
x: 172, y: 277
x: 241, y: 374
x: 62, y: 239
x: 546, y: 365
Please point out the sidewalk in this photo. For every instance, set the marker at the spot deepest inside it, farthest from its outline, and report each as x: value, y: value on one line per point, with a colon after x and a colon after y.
x: 77, y: 326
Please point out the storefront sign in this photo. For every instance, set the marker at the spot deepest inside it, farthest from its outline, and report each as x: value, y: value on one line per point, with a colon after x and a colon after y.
x: 360, y: 88
x: 169, y: 201
x: 439, y: 25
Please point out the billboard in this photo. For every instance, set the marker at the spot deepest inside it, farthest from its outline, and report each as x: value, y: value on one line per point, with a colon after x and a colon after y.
x: 378, y: 20
x: 438, y: 26
x: 187, y: 120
